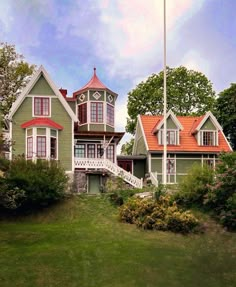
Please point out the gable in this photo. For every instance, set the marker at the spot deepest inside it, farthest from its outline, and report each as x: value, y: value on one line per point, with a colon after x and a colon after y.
x: 170, y: 124
x: 208, y: 125
x: 41, y: 84
x: 41, y: 87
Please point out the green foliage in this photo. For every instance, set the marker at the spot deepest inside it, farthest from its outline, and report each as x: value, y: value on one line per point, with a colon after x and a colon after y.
x: 33, y: 184
x: 194, y: 186
x: 221, y: 197
x: 188, y: 93
x: 14, y: 75
x: 161, y: 214
x: 226, y: 113
x: 127, y: 147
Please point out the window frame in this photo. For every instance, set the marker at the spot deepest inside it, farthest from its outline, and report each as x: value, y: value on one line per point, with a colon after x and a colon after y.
x: 110, y: 115
x: 43, y: 151
x: 42, y: 99
x: 95, y: 116
x: 174, y: 132
x: 30, y: 146
x: 205, y: 140
x: 83, y: 113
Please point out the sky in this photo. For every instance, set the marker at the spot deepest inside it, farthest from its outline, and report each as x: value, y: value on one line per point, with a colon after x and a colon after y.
x: 123, y: 39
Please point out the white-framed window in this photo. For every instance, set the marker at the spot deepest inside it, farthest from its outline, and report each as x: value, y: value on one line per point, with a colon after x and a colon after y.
x: 208, y: 138
x: 170, y: 166
x: 41, y: 106
x: 172, y: 137
x: 96, y: 112
x: 41, y: 143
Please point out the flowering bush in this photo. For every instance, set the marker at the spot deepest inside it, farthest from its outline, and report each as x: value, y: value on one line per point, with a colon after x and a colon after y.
x: 158, y: 215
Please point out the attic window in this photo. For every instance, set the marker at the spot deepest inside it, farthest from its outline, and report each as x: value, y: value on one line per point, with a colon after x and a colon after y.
x: 41, y: 106
x: 208, y: 138
x: 172, y: 137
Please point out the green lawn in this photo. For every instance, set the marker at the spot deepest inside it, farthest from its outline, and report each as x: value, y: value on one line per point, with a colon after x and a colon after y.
x: 81, y: 243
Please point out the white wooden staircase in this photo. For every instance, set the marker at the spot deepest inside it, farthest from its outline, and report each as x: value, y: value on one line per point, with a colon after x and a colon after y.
x: 93, y: 163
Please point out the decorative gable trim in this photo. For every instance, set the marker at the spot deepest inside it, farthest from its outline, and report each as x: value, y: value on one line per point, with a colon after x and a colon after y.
x: 30, y: 85
x: 173, y: 117
x: 205, y: 118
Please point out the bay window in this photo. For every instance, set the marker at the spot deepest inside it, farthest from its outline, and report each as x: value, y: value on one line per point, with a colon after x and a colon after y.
x: 41, y: 143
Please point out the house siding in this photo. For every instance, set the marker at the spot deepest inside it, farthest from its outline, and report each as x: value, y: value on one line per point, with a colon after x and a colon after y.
x: 41, y: 87
x: 140, y: 143
x: 58, y: 114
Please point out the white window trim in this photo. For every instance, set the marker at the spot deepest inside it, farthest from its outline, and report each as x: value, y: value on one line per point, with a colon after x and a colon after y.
x: 160, y: 136
x: 50, y: 106
x: 215, y: 137
x: 48, y: 143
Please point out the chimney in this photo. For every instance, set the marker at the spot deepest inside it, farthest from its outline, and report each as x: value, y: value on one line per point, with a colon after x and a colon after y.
x: 63, y: 92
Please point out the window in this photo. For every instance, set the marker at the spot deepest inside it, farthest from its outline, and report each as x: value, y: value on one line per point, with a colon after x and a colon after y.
x: 100, y: 151
x: 170, y: 166
x: 172, y: 137
x: 110, y: 153
x: 41, y: 106
x: 41, y: 146
x: 29, y: 147
x: 82, y: 113
x: 97, y: 112
x: 91, y: 150
x: 53, y: 151
x: 110, y: 115
x: 207, y: 138
x: 80, y: 150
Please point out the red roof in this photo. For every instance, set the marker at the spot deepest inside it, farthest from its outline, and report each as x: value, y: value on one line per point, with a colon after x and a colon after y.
x: 45, y: 122
x: 94, y: 83
x: 188, y: 142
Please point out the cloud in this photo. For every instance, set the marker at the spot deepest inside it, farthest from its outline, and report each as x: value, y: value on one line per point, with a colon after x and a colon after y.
x: 133, y: 31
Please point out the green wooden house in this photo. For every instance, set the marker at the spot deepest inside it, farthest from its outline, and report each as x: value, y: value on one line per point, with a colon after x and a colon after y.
x: 189, y: 140
x: 77, y: 131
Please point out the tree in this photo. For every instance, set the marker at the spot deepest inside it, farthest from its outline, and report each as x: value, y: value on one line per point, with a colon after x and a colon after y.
x: 188, y: 93
x: 226, y: 113
x: 127, y: 147
x: 14, y: 75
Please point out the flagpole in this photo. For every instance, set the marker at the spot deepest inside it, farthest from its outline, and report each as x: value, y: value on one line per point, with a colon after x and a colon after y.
x: 164, y: 106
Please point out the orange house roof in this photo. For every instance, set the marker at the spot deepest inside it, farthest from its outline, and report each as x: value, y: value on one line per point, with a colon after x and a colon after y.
x: 188, y: 142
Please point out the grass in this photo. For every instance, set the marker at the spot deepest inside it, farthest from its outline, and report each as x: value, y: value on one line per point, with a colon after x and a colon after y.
x: 81, y: 243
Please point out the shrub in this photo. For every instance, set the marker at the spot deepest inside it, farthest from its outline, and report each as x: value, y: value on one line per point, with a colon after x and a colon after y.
x: 43, y: 182
x: 194, y: 186
x: 159, y: 215
x: 221, y: 197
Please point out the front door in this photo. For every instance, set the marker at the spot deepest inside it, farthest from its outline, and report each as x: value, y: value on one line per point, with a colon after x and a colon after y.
x: 94, y: 183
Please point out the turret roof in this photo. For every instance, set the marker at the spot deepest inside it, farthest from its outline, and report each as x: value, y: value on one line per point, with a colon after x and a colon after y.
x: 94, y: 84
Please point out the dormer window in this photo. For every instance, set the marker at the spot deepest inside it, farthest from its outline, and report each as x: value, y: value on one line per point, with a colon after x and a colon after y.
x: 41, y: 106
x: 208, y: 138
x: 96, y: 112
x: 172, y: 137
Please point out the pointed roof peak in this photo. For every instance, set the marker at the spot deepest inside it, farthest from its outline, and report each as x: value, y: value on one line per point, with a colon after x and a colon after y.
x: 94, y: 83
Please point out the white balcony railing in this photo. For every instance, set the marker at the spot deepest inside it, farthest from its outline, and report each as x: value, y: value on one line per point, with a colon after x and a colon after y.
x: 93, y: 163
